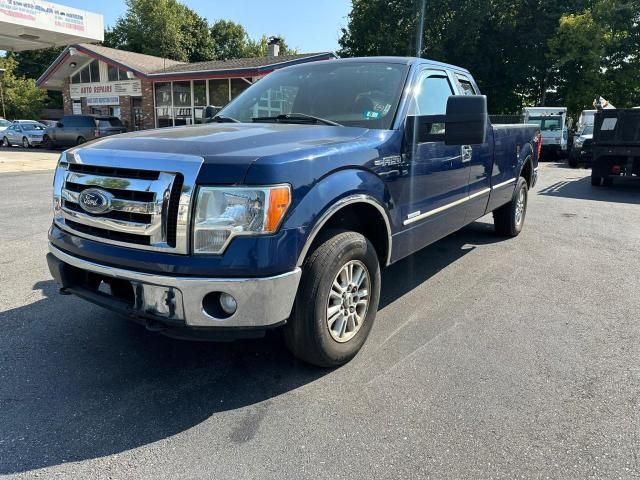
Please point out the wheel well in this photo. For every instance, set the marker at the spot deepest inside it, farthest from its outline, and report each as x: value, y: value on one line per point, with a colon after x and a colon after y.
x: 527, y: 171
x: 364, y: 219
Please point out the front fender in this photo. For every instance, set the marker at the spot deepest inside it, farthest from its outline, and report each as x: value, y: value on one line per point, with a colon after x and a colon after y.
x: 331, y: 193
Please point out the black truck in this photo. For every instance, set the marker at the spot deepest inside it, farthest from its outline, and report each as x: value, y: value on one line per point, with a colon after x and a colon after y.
x: 616, y: 145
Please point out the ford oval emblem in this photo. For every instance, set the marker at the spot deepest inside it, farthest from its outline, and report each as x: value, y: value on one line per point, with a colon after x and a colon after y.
x: 95, y: 200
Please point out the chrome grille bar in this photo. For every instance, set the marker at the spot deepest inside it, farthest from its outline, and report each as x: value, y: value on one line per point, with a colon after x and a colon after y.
x: 129, y: 206
x: 150, y: 210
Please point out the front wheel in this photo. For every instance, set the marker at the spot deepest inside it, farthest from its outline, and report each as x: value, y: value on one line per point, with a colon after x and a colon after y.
x: 5, y: 142
x: 25, y: 142
x: 47, y: 144
x: 337, y: 300
x: 509, y: 219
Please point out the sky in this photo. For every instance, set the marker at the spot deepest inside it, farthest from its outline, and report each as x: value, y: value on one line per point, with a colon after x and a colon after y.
x: 309, y: 26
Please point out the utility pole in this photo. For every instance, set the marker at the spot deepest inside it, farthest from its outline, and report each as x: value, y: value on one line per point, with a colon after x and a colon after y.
x: 4, y: 114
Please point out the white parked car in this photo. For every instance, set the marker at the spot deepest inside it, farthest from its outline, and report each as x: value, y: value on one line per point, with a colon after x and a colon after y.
x: 27, y: 133
x: 4, y: 124
x: 554, y: 128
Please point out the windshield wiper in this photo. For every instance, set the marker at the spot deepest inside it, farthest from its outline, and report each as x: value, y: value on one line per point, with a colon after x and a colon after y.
x: 296, y: 118
x: 224, y: 119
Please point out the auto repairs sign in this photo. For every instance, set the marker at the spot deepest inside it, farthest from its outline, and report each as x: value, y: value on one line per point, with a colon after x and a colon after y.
x: 130, y: 88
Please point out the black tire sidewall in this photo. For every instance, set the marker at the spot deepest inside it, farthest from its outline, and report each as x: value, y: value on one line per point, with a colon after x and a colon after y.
x: 521, y: 185
x: 321, y: 348
x: 25, y: 141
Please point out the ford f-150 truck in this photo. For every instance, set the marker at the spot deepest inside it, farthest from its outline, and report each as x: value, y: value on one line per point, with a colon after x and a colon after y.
x: 282, y: 210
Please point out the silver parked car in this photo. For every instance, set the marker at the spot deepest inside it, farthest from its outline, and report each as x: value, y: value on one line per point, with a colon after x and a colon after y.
x: 27, y: 133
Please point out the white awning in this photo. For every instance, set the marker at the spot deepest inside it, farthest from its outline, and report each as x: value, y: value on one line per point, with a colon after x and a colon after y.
x: 35, y: 24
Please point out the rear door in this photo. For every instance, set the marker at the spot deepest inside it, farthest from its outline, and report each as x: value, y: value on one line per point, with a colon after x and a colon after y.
x: 432, y: 194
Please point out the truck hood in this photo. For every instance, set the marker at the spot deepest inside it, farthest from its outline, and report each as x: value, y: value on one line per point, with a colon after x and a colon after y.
x: 229, y: 149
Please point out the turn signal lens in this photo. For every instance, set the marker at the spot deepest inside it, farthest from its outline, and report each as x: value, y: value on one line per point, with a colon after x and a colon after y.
x: 279, y: 201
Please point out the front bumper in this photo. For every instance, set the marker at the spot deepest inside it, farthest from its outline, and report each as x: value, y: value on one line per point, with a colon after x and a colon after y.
x: 177, y: 301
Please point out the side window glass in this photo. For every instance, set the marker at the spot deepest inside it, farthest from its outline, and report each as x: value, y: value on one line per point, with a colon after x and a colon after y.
x: 431, y: 99
x: 466, y: 87
x: 432, y: 95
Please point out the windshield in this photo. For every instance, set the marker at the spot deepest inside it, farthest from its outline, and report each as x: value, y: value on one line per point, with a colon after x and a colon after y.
x: 547, y: 123
x: 354, y: 94
x: 588, y: 130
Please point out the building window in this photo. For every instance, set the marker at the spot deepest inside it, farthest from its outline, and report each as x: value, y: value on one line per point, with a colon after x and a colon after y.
x: 164, y: 110
x: 219, y: 92
x: 114, y: 74
x: 89, y: 74
x: 239, y: 85
x: 182, y: 112
x: 199, y: 99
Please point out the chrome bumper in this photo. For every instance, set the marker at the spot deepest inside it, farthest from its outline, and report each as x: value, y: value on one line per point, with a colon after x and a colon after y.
x: 262, y: 302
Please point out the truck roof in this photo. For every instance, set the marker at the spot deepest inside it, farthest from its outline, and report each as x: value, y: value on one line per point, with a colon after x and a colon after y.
x: 404, y: 61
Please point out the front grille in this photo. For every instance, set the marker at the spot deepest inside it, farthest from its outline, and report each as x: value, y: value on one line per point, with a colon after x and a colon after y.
x: 144, y: 207
x: 114, y: 172
x: 108, y: 234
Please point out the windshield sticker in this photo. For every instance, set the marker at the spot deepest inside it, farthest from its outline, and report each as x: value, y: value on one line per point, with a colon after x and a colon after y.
x: 609, y: 124
x: 370, y: 114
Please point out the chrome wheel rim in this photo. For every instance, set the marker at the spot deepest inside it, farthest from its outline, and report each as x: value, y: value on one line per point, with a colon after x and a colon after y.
x: 348, y: 301
x: 520, y: 206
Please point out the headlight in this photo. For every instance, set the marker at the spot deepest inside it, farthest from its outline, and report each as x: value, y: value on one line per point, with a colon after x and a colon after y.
x: 225, y: 212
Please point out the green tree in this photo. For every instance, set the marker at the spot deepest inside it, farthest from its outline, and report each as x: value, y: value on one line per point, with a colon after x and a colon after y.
x: 504, y: 43
x: 22, y: 98
x: 259, y: 47
x: 165, y: 28
x: 230, y: 40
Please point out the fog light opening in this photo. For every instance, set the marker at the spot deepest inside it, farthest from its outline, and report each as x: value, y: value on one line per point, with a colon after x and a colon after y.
x: 219, y: 305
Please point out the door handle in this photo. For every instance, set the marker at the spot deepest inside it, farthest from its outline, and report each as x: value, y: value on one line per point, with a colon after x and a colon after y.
x: 467, y: 153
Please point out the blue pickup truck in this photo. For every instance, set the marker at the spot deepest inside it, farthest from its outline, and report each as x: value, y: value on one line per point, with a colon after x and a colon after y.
x: 283, y: 208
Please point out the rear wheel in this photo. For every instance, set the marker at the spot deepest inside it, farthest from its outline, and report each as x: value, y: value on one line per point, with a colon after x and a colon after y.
x: 509, y: 219
x: 337, y: 300
x: 81, y: 140
x: 5, y: 142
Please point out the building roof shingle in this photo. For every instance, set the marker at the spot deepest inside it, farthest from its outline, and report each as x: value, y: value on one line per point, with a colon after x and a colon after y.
x: 237, y: 63
x: 136, y: 61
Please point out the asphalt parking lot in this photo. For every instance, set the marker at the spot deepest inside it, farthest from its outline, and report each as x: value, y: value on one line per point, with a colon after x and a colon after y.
x: 490, y: 358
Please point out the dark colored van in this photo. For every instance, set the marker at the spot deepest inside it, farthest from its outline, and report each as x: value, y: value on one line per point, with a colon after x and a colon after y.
x: 77, y: 129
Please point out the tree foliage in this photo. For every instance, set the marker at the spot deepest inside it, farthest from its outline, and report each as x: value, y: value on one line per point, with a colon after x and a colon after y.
x: 165, y: 28
x: 22, y: 98
x: 521, y: 52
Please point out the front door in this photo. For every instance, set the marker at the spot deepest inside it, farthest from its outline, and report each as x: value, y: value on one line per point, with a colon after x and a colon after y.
x: 432, y: 192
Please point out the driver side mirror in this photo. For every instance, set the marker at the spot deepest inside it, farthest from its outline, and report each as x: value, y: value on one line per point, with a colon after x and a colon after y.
x: 208, y: 113
x: 465, y: 123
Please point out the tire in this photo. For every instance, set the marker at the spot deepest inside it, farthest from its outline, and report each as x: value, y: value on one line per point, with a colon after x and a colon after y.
x: 596, y: 181
x: 573, y: 161
x: 47, y: 144
x: 5, y: 142
x: 25, y: 142
x: 81, y: 140
x: 309, y: 334
x: 509, y: 219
